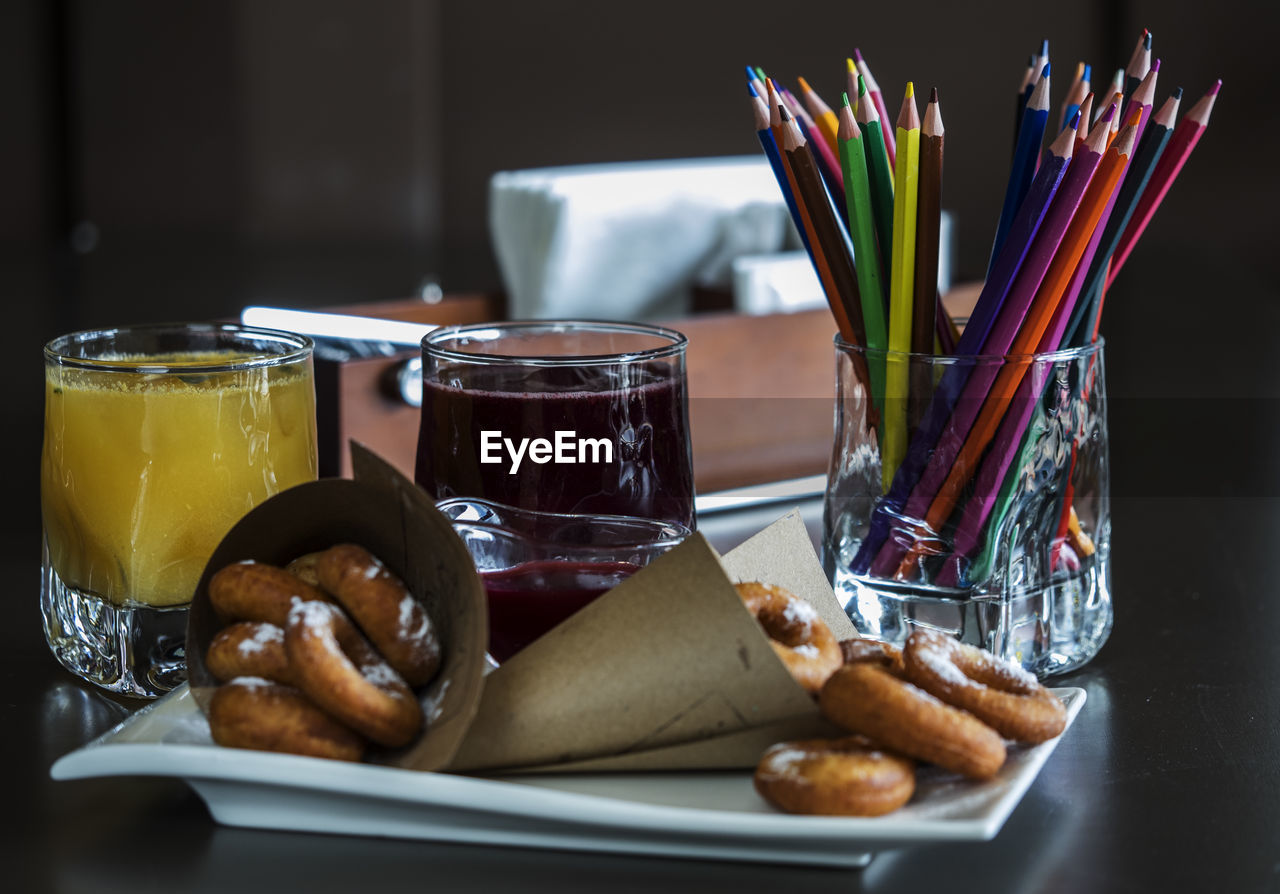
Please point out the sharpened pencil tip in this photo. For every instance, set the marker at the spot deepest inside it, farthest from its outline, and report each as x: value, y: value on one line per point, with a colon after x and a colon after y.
x: 783, y: 113
x: 857, y: 54
x: 862, y: 86
x: 933, y: 95
x: 804, y: 85
x: 751, y: 73
x: 1156, y: 66
x: 1088, y: 72
x: 1044, y: 72
x: 1108, y: 114
x: 1177, y: 93
x: 752, y: 89
x: 849, y: 66
x: 844, y: 97
x: 1075, y: 122
x: 1213, y: 91
x: 911, y: 90
x: 1146, y: 39
x: 1044, y: 47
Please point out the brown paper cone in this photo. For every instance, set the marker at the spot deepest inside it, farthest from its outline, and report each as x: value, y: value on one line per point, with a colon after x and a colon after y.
x: 395, y: 520
x: 665, y: 671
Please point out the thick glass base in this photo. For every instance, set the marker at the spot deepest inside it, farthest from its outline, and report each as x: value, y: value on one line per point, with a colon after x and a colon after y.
x: 131, y: 649
x: 1048, y: 631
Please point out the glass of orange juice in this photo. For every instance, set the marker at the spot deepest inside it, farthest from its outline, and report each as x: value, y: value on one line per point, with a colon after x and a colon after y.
x: 157, y: 439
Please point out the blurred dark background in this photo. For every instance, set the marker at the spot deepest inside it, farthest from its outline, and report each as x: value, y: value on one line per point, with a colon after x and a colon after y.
x: 164, y: 161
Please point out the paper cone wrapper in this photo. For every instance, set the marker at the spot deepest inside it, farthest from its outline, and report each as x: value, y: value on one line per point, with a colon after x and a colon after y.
x: 395, y: 520
x: 666, y: 671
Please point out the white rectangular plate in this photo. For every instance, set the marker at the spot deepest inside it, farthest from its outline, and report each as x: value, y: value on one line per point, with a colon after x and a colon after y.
x: 701, y: 815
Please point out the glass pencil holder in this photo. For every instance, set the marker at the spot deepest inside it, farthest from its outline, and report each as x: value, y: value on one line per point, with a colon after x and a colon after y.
x: 971, y: 495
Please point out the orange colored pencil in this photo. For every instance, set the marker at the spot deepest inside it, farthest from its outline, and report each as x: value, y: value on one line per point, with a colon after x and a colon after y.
x: 1051, y: 292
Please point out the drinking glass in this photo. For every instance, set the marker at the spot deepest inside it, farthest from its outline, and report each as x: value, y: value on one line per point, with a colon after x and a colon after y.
x: 995, y: 525
x: 538, y: 568
x: 157, y: 439
x: 573, y: 417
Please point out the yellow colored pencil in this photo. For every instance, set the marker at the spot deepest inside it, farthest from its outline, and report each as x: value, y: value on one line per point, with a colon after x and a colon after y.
x: 828, y: 124
x: 901, y: 287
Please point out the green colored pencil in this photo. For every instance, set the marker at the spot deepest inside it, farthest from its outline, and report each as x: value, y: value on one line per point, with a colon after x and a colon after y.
x: 878, y: 173
x: 866, y: 257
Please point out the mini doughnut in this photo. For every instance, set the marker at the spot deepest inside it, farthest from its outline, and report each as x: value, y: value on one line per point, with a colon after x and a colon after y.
x: 873, y: 651
x: 384, y: 609
x: 304, y: 569
x: 1005, y: 697
x: 868, y: 699
x: 338, y: 669
x: 255, y: 591
x: 798, y: 635
x: 835, y: 777
x: 250, y: 712
x: 249, y: 649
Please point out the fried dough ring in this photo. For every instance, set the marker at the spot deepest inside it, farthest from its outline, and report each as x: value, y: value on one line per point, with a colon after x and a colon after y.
x: 250, y: 712
x: 378, y: 601
x: 801, y: 639
x: 249, y: 649
x: 1005, y: 697
x: 834, y: 777
x: 868, y: 699
x: 858, y: 650
x: 338, y: 669
x: 256, y: 591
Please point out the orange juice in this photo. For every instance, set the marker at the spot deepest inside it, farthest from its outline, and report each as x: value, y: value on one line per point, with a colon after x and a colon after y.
x: 143, y: 473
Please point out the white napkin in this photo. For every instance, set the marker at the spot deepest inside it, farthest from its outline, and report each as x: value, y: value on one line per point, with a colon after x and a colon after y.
x: 630, y: 240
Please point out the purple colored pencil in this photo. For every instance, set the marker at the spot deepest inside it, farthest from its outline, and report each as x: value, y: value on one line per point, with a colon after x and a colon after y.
x: 972, y: 341
x: 1022, y: 293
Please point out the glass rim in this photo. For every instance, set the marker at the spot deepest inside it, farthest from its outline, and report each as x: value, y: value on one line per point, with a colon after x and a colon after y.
x: 300, y: 347
x: 677, y: 342
x: 1058, y: 356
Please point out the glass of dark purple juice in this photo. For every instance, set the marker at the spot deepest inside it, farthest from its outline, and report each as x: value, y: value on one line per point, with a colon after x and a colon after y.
x: 571, y: 417
x: 538, y: 568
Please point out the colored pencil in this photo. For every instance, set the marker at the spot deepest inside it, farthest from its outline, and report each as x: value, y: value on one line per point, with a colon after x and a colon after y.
x: 1041, y: 285
x: 924, y: 310
x: 1185, y: 137
x: 757, y: 84
x: 764, y: 133
x: 813, y: 195
x: 1146, y: 156
x: 1082, y: 129
x: 878, y: 171
x: 1061, y: 201
x: 777, y: 110
x: 1080, y: 331
x: 972, y: 342
x: 882, y: 111
x: 1139, y: 65
x: 902, y: 270
x: 1025, y: 157
x: 828, y: 164
x: 871, y: 283
x: 821, y: 112
x: 1075, y: 96
x: 988, y: 493
x: 1024, y: 93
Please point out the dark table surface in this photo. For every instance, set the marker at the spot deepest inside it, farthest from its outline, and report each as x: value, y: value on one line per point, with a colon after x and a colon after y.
x: 1169, y: 778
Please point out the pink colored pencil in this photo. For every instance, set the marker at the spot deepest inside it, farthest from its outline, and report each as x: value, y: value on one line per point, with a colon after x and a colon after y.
x: 1181, y: 144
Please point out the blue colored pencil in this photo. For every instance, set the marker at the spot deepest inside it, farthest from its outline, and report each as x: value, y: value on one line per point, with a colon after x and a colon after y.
x: 1025, y: 159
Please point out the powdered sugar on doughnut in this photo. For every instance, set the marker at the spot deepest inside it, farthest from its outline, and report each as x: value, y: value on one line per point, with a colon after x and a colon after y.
x: 265, y: 635
x: 251, y: 682
x: 410, y: 611
x: 936, y: 654
x: 800, y: 612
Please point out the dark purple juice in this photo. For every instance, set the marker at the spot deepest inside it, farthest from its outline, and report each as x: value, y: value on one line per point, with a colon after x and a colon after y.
x: 529, y: 599
x: 640, y: 409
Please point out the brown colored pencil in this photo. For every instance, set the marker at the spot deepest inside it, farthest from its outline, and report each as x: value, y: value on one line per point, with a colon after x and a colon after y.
x: 813, y: 195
